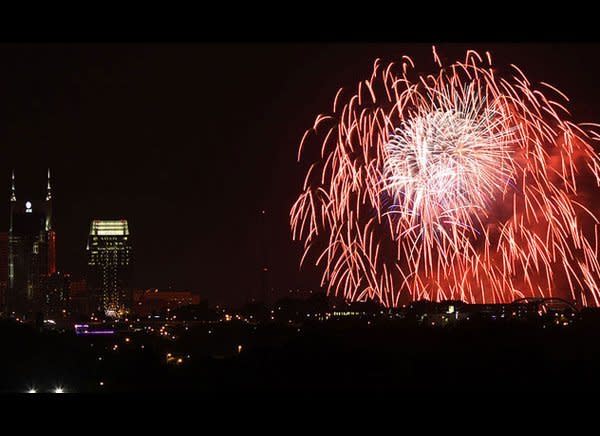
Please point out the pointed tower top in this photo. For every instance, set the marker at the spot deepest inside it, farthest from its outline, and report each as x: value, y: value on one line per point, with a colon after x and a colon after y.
x: 49, y: 188
x: 13, y: 196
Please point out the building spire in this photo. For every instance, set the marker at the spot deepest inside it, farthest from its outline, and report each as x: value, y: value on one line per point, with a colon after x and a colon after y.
x: 13, y: 196
x: 49, y: 188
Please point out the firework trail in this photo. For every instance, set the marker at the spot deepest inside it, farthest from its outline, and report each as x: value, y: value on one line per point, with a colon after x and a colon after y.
x: 456, y: 185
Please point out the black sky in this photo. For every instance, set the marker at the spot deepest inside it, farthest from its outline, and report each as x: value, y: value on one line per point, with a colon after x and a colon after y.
x: 189, y: 142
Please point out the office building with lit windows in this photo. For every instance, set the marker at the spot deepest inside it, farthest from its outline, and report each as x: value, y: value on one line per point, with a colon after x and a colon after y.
x: 31, y: 251
x: 109, y: 266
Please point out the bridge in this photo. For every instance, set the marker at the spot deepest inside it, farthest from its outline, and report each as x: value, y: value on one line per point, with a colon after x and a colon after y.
x: 547, y: 303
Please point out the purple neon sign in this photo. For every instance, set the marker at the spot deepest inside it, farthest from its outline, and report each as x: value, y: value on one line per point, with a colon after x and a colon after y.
x: 82, y: 329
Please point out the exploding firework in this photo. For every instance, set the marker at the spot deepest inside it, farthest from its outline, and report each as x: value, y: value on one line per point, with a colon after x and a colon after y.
x: 457, y: 185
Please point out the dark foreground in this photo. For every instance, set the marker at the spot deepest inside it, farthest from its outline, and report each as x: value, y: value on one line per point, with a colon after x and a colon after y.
x: 334, y: 355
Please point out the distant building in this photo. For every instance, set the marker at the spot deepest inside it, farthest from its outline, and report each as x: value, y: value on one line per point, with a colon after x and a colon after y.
x: 80, y: 302
x: 31, y: 250
x: 3, y: 268
x: 109, y: 266
x: 151, y: 301
x: 55, y: 288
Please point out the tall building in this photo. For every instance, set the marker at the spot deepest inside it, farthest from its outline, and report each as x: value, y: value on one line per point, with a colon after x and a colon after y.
x: 31, y: 250
x: 109, y: 264
x: 3, y: 268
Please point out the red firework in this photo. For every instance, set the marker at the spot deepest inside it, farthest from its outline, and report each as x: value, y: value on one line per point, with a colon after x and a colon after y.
x: 456, y: 185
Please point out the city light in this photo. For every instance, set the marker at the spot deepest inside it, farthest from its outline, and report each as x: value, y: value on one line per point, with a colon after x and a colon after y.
x: 446, y: 224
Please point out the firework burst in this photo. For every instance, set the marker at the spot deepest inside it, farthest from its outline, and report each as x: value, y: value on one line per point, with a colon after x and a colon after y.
x: 456, y: 185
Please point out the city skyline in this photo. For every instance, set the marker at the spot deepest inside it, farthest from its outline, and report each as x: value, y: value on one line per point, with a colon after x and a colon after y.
x: 296, y: 218
x: 163, y: 134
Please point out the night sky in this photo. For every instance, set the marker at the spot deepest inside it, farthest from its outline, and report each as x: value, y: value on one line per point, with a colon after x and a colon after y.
x: 189, y: 142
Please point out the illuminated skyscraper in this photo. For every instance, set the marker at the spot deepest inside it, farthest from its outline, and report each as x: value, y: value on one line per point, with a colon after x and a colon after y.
x: 31, y: 250
x: 109, y: 263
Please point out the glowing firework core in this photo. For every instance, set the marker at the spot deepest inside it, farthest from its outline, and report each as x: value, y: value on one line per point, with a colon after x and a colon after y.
x: 448, y: 162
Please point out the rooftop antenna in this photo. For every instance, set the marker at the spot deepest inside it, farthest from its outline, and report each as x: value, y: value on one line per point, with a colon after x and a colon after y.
x: 265, y: 260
